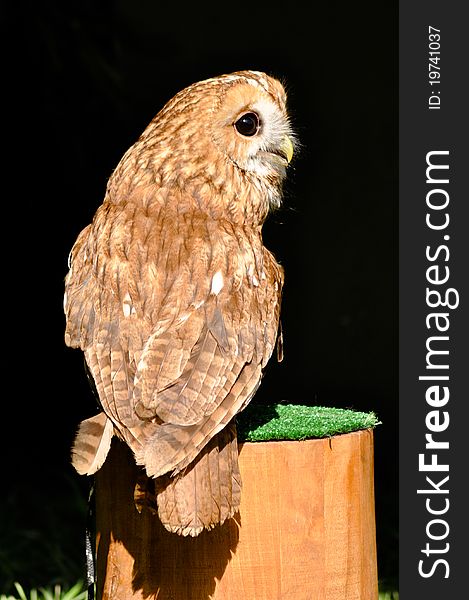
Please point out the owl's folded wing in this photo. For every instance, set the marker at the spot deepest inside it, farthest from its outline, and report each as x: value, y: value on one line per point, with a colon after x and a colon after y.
x: 177, y: 318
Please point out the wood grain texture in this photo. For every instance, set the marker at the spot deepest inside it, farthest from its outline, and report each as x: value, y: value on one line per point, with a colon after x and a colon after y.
x: 305, y: 530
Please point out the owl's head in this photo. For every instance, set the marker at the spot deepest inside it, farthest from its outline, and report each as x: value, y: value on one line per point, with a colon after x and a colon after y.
x: 250, y: 125
x: 227, y: 138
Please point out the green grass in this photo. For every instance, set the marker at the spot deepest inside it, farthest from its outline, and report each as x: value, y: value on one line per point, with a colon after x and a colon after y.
x: 261, y: 423
x: 76, y: 592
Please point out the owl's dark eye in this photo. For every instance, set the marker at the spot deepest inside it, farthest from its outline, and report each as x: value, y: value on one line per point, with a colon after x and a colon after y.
x: 248, y: 124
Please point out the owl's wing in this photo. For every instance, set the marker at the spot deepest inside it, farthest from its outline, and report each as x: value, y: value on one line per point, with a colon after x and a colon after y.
x: 128, y: 284
x: 177, y: 316
x: 201, y: 372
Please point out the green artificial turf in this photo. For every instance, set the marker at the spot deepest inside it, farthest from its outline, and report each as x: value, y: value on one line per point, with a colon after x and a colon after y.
x: 262, y: 423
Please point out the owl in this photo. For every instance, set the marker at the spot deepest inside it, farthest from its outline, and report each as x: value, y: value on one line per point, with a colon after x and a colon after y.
x: 173, y: 298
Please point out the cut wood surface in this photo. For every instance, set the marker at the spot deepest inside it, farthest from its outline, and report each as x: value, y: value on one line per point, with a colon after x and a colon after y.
x: 305, y: 530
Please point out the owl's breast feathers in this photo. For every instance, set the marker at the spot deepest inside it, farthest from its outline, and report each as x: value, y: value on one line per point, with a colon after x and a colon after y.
x: 177, y: 314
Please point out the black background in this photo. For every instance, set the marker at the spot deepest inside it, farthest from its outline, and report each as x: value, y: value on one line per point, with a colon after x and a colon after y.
x: 87, y: 77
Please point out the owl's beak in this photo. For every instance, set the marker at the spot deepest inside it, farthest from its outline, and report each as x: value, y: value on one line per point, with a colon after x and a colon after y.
x: 286, y: 147
x: 279, y: 155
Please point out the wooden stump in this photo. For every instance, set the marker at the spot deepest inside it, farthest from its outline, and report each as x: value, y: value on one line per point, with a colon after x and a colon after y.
x: 305, y: 531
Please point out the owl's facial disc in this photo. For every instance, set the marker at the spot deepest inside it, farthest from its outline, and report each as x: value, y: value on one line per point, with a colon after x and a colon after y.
x: 264, y: 133
x: 251, y: 128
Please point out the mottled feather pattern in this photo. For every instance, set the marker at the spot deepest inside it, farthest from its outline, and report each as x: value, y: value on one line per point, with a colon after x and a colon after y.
x: 175, y: 301
x: 95, y: 436
x: 194, y: 500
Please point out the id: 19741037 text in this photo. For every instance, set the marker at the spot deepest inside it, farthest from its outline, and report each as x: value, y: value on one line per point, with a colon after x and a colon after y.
x: 434, y: 71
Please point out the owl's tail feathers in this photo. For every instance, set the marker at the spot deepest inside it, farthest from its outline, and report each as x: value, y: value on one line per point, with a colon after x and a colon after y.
x: 207, y: 492
x: 92, y: 444
x: 173, y: 447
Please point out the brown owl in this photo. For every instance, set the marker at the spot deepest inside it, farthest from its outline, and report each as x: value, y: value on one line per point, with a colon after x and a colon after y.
x: 173, y: 298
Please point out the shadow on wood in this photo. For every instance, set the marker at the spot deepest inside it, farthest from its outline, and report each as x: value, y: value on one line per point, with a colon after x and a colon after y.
x: 137, y: 557
x: 306, y: 530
